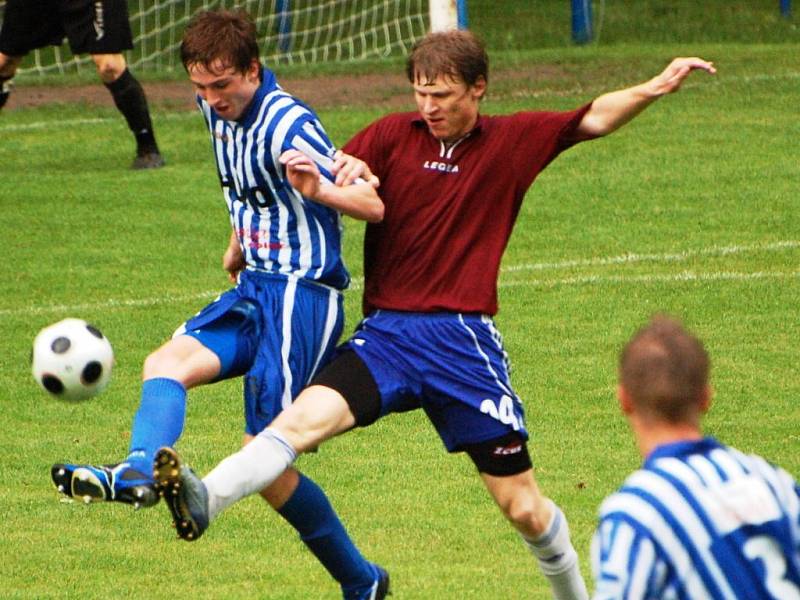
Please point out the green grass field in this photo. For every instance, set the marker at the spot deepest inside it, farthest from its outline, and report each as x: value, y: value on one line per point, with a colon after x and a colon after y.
x: 690, y: 209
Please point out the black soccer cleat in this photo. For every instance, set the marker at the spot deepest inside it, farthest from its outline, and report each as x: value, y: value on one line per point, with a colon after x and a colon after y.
x: 184, y: 492
x: 105, y: 483
x: 147, y: 160
x: 377, y: 591
x: 382, y: 587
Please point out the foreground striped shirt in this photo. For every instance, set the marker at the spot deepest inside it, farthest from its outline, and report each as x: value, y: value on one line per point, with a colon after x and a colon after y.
x: 279, y: 230
x: 700, y: 521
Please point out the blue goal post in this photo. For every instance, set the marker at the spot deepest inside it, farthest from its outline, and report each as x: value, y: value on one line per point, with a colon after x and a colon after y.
x: 461, y: 8
x: 786, y: 8
x: 284, y: 25
x: 582, y: 21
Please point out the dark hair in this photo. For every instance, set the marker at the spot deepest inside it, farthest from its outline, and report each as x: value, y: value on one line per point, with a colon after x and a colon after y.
x: 455, y: 54
x: 665, y: 370
x: 228, y: 36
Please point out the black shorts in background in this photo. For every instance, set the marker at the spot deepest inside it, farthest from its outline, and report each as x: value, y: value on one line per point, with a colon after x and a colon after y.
x: 91, y: 26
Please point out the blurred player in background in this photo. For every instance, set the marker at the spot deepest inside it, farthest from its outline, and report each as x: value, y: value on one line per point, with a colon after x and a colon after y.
x: 452, y: 181
x: 285, y: 315
x: 99, y: 28
x: 699, y: 519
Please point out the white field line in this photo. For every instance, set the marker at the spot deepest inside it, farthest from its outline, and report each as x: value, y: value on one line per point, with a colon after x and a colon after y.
x: 107, y: 304
x: 666, y: 258
x: 52, y: 124
x: 684, y: 276
x: 67, y: 123
x: 357, y: 283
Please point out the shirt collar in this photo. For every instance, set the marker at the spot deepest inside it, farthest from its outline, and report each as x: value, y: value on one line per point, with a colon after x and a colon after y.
x: 682, y: 448
x: 479, y: 124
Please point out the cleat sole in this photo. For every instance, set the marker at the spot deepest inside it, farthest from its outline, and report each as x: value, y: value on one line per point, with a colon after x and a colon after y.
x: 167, y: 473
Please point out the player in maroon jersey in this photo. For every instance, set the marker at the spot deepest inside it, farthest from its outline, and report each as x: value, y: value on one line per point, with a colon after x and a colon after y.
x: 452, y: 181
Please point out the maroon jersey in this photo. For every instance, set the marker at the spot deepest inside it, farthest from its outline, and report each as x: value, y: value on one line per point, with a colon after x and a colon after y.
x: 450, y: 210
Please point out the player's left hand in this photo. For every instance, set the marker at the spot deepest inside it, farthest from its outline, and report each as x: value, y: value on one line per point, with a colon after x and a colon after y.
x: 302, y: 172
x: 348, y: 169
x: 672, y: 77
x: 233, y: 259
x: 233, y: 262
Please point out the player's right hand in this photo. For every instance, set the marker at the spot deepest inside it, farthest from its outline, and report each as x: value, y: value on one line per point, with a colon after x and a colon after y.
x: 301, y: 172
x: 677, y: 71
x: 348, y: 169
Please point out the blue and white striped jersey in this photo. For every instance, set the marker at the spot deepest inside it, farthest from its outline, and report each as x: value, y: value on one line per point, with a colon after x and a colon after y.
x: 279, y: 230
x: 700, y: 521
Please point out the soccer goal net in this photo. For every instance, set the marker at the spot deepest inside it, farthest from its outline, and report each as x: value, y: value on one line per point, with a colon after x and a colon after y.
x: 291, y: 31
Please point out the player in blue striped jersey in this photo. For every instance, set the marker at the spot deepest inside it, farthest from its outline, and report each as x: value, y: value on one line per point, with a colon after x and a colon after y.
x: 274, y: 228
x: 699, y: 520
x: 282, y: 319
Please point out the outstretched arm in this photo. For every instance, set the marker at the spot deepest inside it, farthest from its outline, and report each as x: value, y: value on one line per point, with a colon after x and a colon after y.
x: 359, y: 200
x: 611, y: 111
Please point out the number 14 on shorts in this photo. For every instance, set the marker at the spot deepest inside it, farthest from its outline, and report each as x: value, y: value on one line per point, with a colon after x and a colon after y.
x: 503, y: 411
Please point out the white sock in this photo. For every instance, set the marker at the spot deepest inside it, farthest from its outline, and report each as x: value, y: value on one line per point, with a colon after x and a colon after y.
x: 558, y: 559
x: 248, y: 471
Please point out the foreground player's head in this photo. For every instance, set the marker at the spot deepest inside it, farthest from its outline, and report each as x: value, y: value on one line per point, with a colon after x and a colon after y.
x: 663, y: 375
x: 220, y: 53
x: 453, y: 54
x: 449, y: 71
x: 225, y: 38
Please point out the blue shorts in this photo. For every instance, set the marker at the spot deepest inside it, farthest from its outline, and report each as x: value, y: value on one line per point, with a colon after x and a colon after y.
x: 276, y: 331
x: 451, y: 365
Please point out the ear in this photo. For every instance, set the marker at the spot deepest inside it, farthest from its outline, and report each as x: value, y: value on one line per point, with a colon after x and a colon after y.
x: 253, y: 70
x: 705, y: 399
x: 625, y: 400
x: 479, y: 87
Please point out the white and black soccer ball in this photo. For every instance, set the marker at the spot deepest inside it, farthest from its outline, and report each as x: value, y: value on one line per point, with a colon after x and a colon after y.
x: 72, y: 360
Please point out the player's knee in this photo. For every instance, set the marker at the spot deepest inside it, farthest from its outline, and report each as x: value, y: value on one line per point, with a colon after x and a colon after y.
x: 183, y: 359
x: 155, y: 364
x: 525, y: 514
x: 164, y: 362
x: 109, y: 66
x: 299, y: 428
x: 8, y: 65
x: 316, y: 415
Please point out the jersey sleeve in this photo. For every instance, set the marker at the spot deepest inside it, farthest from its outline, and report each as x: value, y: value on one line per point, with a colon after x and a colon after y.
x: 539, y: 137
x: 625, y: 564
x: 310, y: 139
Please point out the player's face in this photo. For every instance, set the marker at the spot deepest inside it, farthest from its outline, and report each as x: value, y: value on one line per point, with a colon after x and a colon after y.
x: 448, y: 105
x: 228, y: 91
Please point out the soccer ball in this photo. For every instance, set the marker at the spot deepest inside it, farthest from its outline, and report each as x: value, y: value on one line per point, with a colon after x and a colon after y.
x: 72, y: 360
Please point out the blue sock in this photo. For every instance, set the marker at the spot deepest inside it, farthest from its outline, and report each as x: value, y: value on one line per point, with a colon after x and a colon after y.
x: 158, y: 422
x: 311, y: 514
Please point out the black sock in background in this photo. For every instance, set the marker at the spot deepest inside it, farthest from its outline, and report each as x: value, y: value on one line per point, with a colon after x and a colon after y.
x: 5, y: 90
x: 130, y: 100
